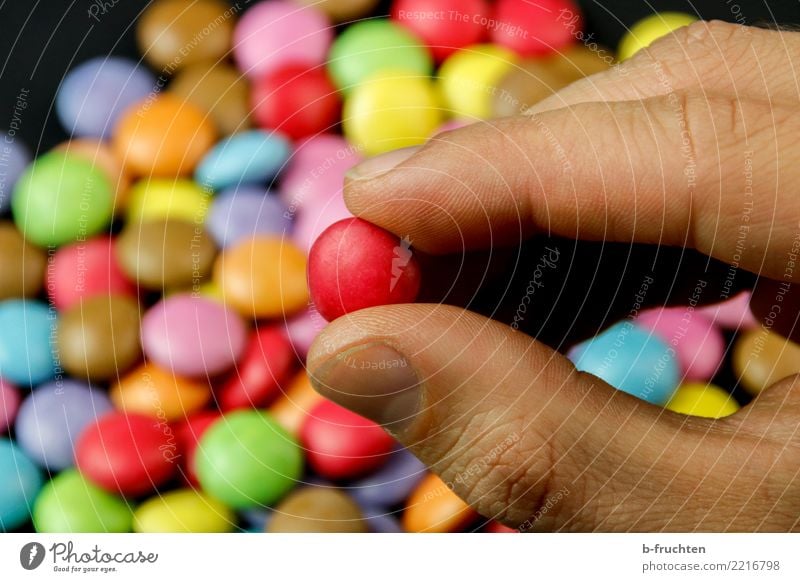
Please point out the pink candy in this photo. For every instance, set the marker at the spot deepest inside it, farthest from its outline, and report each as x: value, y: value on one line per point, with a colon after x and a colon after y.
x: 732, y: 314
x: 9, y: 404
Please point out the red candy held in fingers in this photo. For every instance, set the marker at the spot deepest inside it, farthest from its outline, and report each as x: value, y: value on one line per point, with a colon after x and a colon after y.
x: 355, y: 264
x: 341, y: 444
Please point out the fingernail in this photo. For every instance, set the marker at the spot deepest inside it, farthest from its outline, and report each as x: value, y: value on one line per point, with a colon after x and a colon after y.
x: 375, y: 166
x: 373, y: 380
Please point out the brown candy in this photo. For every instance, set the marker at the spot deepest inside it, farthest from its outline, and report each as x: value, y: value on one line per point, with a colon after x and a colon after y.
x: 317, y: 509
x: 762, y: 357
x: 166, y: 254
x: 98, y: 337
x: 342, y: 10
x: 22, y: 265
x: 219, y: 90
x: 174, y: 33
x: 579, y: 62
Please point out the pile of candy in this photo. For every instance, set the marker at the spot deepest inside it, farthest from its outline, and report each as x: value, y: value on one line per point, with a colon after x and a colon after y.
x: 154, y: 311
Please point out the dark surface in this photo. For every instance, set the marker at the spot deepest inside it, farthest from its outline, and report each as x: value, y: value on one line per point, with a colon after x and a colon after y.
x: 42, y: 39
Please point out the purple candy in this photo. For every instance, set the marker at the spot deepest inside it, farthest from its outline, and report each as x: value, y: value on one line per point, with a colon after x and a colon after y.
x: 193, y: 336
x: 391, y: 484
x: 379, y: 521
x: 246, y: 211
x: 14, y: 158
x: 94, y: 94
x: 52, y: 418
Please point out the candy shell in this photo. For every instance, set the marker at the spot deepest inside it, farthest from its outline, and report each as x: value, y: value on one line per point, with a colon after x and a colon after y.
x: 341, y: 444
x: 294, y: 405
x: 189, y: 432
x: 302, y: 329
x: 580, y: 61
x: 83, y: 270
x: 469, y: 78
x: 497, y: 527
x: 444, y: 25
x: 631, y: 359
x: 524, y: 86
x: 14, y: 158
x: 27, y: 334
x: 166, y: 254
x: 699, y: 345
x: 100, y: 155
x: 272, y: 34
x: 698, y: 399
x: 379, y: 521
x: 172, y: 34
x: 342, y: 10
x: 245, y: 212
x: 94, y: 94
x: 192, y: 336
x: 391, y: 110
x: 22, y: 265
x: 183, y: 511
x: 51, y: 418
x: 163, y: 136
x: 761, y: 358
x: 164, y: 199
x: 151, y: 391
x: 650, y: 29
x: 263, y: 277
x: 61, y: 198
x: 315, y: 219
x: 536, y: 28
x: 9, y: 404
x: 19, y: 486
x: 434, y: 508
x: 391, y: 484
x: 72, y: 504
x: 371, y: 46
x: 317, y: 510
x: 218, y: 89
x: 98, y: 339
x: 296, y: 101
x: 355, y: 264
x: 244, y: 158
x: 733, y: 314
x: 266, y: 365
x: 246, y: 459
x: 127, y: 453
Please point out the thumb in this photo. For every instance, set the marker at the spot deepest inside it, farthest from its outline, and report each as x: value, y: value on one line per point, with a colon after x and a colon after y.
x: 510, y: 424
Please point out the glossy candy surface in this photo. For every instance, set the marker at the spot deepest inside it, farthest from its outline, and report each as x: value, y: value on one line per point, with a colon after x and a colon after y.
x: 649, y: 29
x: 22, y: 265
x: 19, y: 486
x: 698, y: 399
x: 253, y: 156
x: 317, y: 509
x: 245, y: 212
x: 27, y: 331
x: 536, y: 28
x: 434, y: 508
x: 183, y: 511
x: 9, y: 404
x: 761, y: 358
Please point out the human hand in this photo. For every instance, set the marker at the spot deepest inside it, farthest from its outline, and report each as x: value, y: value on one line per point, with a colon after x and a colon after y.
x: 687, y: 151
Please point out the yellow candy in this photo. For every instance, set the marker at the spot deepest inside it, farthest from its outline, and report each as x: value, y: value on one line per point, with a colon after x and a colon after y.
x: 650, y: 29
x: 183, y: 511
x: 262, y: 277
x: 163, y: 198
x: 391, y: 110
x: 469, y: 77
x: 761, y: 358
x: 698, y: 399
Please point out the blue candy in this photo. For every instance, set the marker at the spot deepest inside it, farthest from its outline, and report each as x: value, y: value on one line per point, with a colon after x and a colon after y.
x: 52, y: 417
x: 632, y: 360
x: 95, y: 94
x: 244, y: 212
x: 249, y: 157
x: 27, y: 330
x: 20, y: 482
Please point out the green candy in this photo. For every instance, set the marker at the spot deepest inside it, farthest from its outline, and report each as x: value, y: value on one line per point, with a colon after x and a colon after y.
x: 61, y: 199
x: 70, y: 504
x: 246, y: 459
x: 371, y: 46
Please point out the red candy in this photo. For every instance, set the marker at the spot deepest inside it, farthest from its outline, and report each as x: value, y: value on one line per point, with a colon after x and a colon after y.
x: 268, y: 363
x: 444, y: 25
x: 341, y: 444
x: 297, y: 101
x: 188, y: 434
x: 130, y: 454
x: 355, y: 264
x: 535, y: 28
x: 85, y: 269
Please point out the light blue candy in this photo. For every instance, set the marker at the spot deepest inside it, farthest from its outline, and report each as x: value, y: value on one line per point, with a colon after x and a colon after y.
x: 27, y: 330
x: 632, y: 360
x: 249, y: 157
x: 14, y: 158
x: 20, y: 482
x: 94, y: 94
x: 245, y: 212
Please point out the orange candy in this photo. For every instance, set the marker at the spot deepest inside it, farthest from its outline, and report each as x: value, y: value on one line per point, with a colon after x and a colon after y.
x: 164, y: 136
x: 762, y: 357
x: 434, y: 508
x: 263, y: 277
x: 151, y: 391
x: 292, y: 407
x: 103, y: 157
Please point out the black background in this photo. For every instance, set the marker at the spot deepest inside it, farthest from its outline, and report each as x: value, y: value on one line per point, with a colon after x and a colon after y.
x: 42, y: 39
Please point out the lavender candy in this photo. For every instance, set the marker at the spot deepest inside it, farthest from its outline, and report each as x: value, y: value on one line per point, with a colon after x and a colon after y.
x: 379, y: 521
x: 52, y: 417
x: 14, y: 158
x: 244, y: 212
x: 391, y: 484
